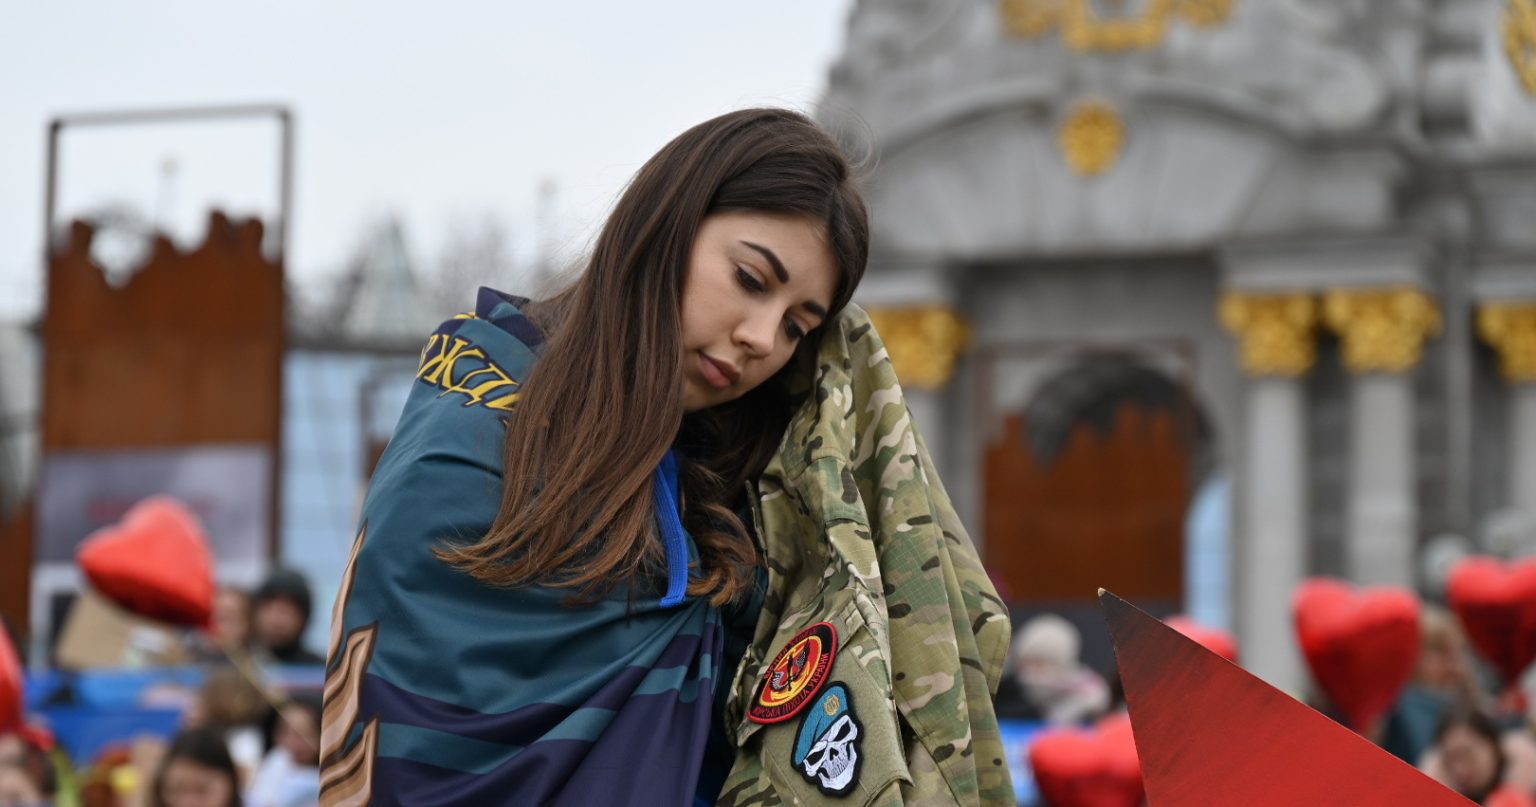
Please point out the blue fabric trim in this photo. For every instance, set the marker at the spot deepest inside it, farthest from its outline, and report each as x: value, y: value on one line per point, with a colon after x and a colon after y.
x: 501, y: 310
x: 672, y: 535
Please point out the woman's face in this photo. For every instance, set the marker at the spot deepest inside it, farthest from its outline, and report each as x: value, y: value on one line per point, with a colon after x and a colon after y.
x: 298, y: 733
x: 17, y: 788
x: 1442, y: 662
x: 189, y: 784
x: 1470, y: 760
x: 756, y: 284
x: 232, y: 617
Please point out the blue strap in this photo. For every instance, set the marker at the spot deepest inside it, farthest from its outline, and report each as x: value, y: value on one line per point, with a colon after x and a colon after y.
x: 673, y: 538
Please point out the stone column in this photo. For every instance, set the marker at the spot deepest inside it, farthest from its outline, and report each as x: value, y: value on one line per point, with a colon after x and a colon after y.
x: 1510, y: 327
x: 1382, y: 333
x: 1276, y: 335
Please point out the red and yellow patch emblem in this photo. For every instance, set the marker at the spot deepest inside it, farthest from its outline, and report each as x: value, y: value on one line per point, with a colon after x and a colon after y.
x: 795, y: 674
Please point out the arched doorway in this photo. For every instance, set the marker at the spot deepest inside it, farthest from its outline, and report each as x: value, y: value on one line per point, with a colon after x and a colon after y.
x: 1090, y: 482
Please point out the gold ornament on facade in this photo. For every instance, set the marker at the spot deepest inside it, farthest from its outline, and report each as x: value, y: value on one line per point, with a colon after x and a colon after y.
x: 1276, y: 332
x: 1381, y: 330
x: 1205, y: 13
x: 1086, y: 28
x: 1519, y: 30
x: 1091, y: 138
x: 1510, y: 327
x: 923, y: 342
x: 1030, y: 19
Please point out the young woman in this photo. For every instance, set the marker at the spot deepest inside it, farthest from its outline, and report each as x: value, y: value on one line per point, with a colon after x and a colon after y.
x: 196, y: 771
x: 289, y: 774
x: 1471, y: 756
x: 565, y: 570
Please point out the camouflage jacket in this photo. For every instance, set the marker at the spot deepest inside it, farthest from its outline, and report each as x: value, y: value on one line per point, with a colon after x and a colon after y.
x: 881, y: 640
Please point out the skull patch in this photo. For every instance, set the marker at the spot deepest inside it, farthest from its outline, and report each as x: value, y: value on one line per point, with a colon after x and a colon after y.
x: 827, y: 747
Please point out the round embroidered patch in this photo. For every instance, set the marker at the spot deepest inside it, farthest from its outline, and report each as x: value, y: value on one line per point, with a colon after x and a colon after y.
x: 795, y: 674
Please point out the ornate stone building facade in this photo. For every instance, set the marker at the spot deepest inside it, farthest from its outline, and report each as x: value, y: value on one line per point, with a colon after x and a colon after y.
x: 1126, y: 248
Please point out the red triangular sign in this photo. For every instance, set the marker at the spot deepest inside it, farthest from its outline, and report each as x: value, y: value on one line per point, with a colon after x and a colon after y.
x: 1210, y: 733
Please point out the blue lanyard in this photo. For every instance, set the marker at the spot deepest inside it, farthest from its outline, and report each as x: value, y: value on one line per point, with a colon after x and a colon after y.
x: 673, y: 538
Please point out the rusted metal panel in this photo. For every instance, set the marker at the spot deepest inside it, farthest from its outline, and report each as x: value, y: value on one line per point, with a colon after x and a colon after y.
x: 188, y: 352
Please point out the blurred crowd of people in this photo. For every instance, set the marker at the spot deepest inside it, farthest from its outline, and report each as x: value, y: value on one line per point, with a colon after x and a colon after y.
x: 241, y: 742
x: 1451, y: 722
x: 244, y: 742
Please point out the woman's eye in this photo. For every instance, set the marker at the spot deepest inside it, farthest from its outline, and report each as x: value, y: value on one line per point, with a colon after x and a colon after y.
x: 749, y: 281
x: 795, y: 331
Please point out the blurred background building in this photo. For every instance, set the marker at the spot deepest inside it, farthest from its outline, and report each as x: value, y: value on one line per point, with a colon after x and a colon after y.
x: 1139, y: 255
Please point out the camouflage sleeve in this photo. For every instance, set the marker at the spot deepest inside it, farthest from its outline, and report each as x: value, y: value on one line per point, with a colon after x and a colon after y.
x: 858, y: 532
x: 949, y: 631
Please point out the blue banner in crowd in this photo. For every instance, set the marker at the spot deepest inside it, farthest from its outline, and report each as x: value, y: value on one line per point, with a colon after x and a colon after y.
x: 90, y: 711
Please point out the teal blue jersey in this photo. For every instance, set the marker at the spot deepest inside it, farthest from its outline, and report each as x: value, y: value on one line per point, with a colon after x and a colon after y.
x: 443, y: 690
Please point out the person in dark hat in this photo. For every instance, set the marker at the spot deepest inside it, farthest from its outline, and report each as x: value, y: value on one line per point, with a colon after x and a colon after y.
x: 280, y: 612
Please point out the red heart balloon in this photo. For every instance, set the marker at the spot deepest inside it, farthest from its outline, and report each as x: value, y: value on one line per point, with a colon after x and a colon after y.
x: 1362, y: 646
x: 155, y: 563
x: 1089, y: 768
x: 10, y: 686
x: 1496, y: 603
x: 1215, y: 640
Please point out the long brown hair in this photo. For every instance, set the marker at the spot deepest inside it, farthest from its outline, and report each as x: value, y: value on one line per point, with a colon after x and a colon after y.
x: 604, y: 403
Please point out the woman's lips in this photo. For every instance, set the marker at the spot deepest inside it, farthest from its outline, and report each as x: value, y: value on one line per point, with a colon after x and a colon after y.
x: 719, y: 374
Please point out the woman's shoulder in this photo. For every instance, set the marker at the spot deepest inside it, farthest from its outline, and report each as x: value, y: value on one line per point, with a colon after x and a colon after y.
x: 467, y: 383
x: 508, y: 313
x: 481, y: 357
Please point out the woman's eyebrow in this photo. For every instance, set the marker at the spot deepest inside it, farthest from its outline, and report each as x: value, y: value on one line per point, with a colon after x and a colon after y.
x: 773, y: 260
x: 783, y: 276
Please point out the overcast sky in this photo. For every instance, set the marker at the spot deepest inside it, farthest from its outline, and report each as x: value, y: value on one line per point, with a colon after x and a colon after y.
x: 444, y: 113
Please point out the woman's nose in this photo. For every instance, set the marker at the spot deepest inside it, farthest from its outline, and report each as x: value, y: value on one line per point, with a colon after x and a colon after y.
x: 756, y: 335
